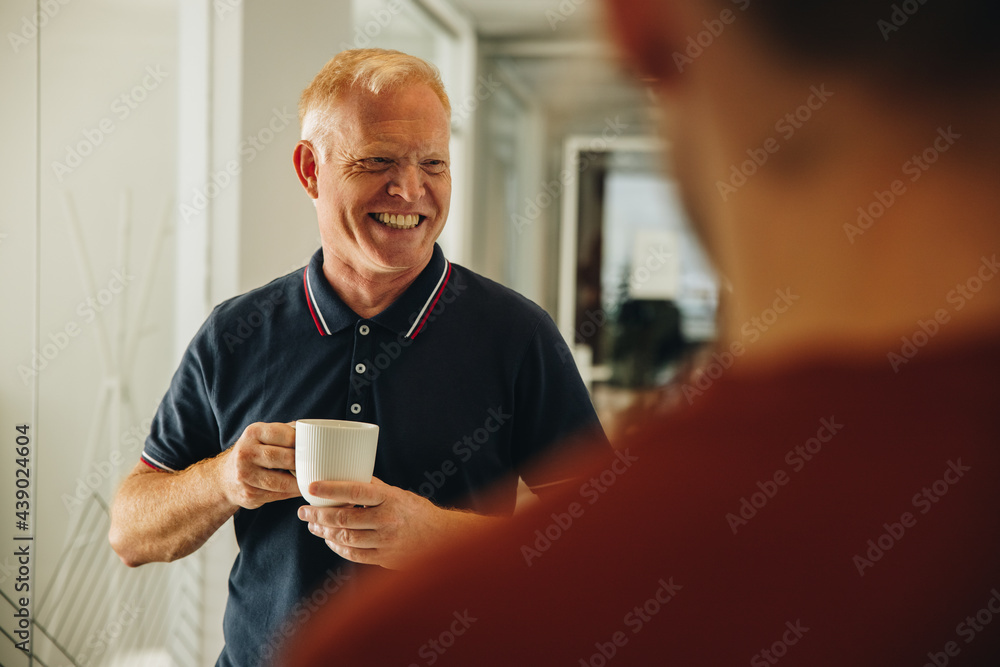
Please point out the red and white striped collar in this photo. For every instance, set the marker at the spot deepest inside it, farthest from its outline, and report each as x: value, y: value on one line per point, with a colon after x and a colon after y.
x: 407, y: 316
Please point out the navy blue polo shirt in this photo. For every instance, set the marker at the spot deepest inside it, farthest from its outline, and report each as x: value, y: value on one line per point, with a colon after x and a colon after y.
x: 467, y: 380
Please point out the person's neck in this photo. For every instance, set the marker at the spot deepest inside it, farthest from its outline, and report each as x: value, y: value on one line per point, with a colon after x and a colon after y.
x: 365, y: 292
x: 852, y: 283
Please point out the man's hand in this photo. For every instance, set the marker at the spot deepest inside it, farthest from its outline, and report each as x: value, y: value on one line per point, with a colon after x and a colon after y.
x: 254, y: 471
x: 392, y: 526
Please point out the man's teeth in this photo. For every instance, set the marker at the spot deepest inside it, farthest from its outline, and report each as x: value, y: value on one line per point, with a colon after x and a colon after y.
x: 398, y: 221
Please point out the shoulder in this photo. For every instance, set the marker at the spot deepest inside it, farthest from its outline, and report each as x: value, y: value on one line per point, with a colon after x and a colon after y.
x: 266, y: 299
x: 494, y: 301
x: 236, y: 319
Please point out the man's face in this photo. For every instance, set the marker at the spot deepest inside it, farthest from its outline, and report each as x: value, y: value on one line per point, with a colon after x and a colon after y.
x: 384, y: 185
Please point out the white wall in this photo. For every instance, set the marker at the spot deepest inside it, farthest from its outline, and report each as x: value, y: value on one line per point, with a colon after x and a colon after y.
x: 90, y: 100
x: 18, y: 262
x: 516, y: 205
x: 284, y: 46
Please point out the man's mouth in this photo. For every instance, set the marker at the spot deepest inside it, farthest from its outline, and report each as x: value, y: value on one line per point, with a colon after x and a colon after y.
x: 398, y: 221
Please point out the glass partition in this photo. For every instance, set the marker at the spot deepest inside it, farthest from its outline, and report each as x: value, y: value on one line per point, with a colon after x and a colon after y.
x: 637, y: 293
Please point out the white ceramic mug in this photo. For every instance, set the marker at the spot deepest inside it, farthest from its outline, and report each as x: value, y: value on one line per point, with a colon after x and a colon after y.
x: 333, y: 450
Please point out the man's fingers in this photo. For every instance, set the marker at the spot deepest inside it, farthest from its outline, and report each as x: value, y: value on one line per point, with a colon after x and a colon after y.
x: 276, y: 481
x: 345, y: 537
x: 272, y: 433
x: 268, y: 487
x: 364, y: 556
x: 275, y: 457
x: 252, y: 459
x: 351, y: 493
x: 353, y: 518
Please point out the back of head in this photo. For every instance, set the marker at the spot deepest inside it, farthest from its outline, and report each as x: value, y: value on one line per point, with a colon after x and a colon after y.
x: 916, y: 45
x: 907, y: 79
x: 371, y: 70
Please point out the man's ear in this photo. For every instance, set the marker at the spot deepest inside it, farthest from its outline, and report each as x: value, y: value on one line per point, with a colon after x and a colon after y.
x: 648, y: 32
x: 306, y: 160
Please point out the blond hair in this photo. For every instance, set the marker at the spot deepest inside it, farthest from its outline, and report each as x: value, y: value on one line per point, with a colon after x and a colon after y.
x: 373, y: 70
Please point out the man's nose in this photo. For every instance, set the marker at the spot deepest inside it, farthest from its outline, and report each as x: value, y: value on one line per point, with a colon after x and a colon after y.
x: 407, y: 182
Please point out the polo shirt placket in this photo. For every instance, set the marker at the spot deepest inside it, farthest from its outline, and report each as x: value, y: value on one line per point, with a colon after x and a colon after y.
x: 359, y: 392
x: 380, y: 340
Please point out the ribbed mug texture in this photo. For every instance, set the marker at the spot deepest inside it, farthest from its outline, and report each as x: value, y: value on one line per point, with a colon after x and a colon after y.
x: 332, y: 449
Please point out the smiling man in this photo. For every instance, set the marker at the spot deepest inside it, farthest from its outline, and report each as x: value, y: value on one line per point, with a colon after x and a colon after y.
x: 463, y: 376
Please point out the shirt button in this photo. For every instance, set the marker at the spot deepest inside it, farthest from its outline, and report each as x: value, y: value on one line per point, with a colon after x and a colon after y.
x: 360, y: 368
x: 356, y: 408
x: 363, y: 330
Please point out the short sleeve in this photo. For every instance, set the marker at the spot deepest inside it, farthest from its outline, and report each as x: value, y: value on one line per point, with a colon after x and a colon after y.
x: 185, y: 429
x: 554, y: 416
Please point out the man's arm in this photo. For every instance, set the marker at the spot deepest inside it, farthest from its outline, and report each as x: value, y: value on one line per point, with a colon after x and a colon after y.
x: 163, y: 516
x: 556, y: 426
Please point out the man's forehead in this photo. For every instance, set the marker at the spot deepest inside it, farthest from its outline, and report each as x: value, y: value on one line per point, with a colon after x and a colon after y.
x: 399, y: 143
x: 413, y: 102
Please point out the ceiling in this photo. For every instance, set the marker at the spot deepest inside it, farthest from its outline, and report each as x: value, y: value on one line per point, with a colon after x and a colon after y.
x: 559, y: 51
x: 539, y: 18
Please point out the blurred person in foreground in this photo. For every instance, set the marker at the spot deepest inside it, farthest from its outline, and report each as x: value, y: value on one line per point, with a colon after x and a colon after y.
x: 831, y: 495
x: 467, y: 380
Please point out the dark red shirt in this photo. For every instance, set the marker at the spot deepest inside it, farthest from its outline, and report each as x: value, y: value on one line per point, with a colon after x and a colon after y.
x: 830, y: 514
